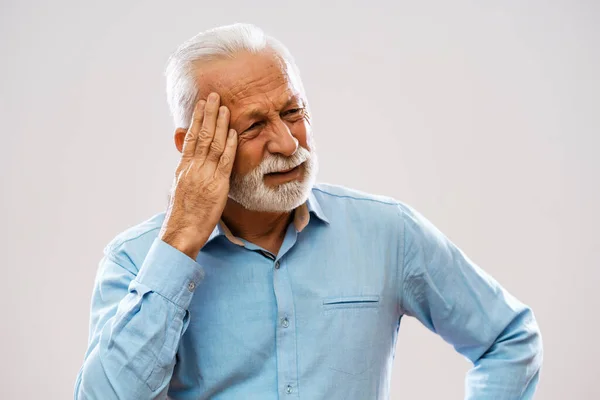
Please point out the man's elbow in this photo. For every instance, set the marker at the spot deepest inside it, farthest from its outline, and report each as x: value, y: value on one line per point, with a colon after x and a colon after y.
x: 522, y: 342
x: 535, y: 341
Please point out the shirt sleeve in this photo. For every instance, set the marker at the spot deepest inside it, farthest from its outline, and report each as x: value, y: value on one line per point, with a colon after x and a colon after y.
x: 457, y: 300
x: 137, y: 319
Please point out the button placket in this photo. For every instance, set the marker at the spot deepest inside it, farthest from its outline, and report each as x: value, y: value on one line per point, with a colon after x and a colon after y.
x: 286, y: 340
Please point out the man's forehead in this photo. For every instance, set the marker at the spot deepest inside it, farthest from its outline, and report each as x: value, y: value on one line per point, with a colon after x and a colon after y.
x: 249, y: 78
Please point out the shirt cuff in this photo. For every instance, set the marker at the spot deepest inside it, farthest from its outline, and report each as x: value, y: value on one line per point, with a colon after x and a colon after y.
x: 170, y: 273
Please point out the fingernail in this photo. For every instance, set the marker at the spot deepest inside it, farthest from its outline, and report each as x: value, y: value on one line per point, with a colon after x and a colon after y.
x: 212, y: 97
x: 231, y: 133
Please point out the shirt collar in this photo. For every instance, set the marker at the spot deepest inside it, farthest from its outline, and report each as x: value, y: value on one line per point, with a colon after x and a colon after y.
x: 315, y: 208
x: 301, y: 220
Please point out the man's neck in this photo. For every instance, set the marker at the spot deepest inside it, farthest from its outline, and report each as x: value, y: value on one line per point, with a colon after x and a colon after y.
x: 264, y: 229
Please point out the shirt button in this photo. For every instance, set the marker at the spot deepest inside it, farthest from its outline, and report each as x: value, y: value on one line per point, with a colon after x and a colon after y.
x: 191, y: 286
x: 288, y: 389
x: 277, y: 265
x: 285, y: 322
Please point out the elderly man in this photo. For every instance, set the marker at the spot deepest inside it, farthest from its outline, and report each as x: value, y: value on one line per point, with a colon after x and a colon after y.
x: 258, y: 283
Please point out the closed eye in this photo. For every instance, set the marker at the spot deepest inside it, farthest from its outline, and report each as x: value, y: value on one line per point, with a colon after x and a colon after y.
x: 254, y: 125
x: 292, y: 111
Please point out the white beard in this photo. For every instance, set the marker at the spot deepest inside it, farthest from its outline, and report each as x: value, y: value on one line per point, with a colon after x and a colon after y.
x: 251, y: 192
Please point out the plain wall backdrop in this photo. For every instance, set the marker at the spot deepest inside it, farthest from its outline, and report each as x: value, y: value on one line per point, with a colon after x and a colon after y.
x: 485, y: 117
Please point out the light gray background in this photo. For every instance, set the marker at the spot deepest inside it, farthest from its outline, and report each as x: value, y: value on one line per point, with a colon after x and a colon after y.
x: 484, y: 117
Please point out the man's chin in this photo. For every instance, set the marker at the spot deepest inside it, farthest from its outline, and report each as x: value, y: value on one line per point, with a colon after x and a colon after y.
x: 282, y: 198
x: 274, y: 194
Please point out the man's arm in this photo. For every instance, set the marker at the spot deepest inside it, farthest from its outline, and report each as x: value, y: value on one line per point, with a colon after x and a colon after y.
x: 138, y: 318
x: 136, y: 323
x: 454, y: 298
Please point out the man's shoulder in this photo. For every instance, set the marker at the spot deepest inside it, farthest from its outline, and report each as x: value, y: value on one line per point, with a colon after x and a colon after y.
x: 366, y: 209
x: 329, y: 193
x: 338, y: 198
x: 134, y: 242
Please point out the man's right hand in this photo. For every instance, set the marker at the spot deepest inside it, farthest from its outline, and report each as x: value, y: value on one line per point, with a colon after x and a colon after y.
x: 201, y: 185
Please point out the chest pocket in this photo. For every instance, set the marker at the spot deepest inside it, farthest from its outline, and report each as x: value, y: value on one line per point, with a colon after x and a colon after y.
x: 352, y: 324
x: 351, y: 302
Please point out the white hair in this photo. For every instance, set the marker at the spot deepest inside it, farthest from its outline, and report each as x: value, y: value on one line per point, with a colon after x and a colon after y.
x: 214, y: 44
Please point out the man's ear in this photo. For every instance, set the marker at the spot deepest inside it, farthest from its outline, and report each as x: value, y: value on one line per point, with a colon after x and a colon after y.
x: 179, y: 138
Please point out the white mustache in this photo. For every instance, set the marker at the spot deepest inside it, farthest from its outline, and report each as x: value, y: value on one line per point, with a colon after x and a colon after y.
x: 277, y: 163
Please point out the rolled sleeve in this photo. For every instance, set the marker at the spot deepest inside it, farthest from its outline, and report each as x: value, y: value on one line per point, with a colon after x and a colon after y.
x: 170, y: 273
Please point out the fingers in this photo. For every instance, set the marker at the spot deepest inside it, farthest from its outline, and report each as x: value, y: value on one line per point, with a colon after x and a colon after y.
x: 207, y: 131
x: 207, y: 138
x: 226, y: 161
x: 191, y: 137
x: 218, y: 143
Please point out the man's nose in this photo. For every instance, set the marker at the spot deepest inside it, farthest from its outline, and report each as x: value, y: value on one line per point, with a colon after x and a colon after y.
x: 282, y: 141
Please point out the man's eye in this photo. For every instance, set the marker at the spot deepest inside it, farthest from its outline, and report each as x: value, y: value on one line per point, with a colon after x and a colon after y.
x: 293, y: 111
x: 254, y: 125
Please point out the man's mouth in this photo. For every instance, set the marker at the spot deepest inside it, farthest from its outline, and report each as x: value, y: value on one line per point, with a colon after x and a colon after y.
x: 284, y: 176
x: 285, y: 171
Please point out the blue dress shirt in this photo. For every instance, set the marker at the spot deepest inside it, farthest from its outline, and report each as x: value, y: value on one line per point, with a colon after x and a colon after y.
x: 318, y: 320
